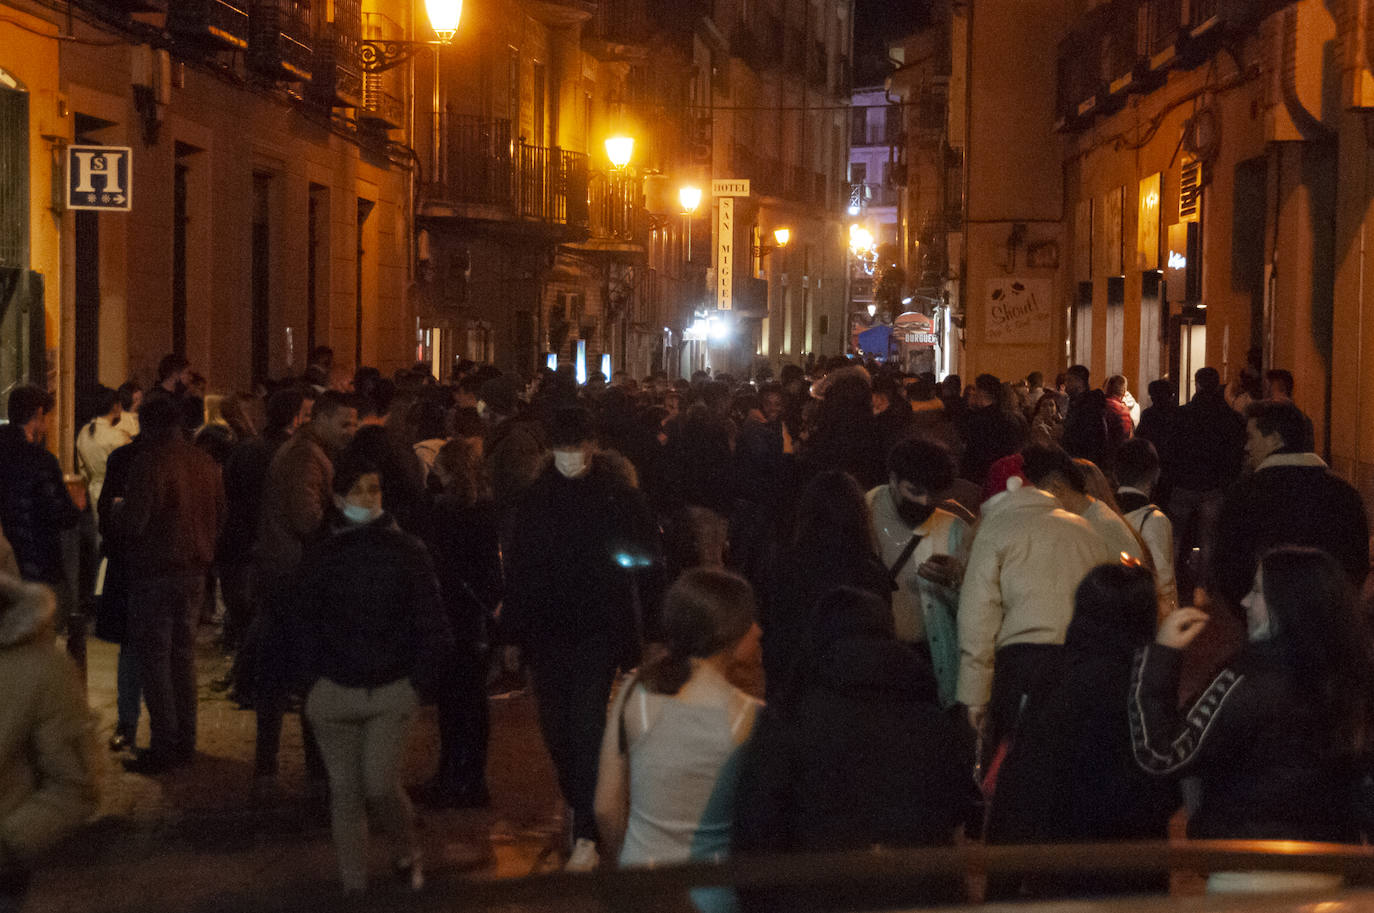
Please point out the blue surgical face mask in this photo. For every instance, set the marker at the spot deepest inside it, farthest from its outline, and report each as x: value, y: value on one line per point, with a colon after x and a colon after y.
x: 358, y: 514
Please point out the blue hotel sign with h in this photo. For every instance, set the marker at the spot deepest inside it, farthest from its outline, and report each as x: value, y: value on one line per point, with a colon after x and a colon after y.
x: 98, y: 177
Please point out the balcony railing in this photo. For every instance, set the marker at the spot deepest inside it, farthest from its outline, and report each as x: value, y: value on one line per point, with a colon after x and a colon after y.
x: 279, y: 41
x: 487, y: 168
x: 613, y: 205
x: 335, y: 79
x: 217, y: 23
x: 381, y: 108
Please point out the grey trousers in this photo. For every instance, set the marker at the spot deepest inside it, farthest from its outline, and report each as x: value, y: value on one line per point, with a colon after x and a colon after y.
x: 362, y: 734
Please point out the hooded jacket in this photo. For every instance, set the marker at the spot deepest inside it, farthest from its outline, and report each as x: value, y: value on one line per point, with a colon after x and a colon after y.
x: 48, y: 762
x: 858, y: 753
x: 1027, y: 559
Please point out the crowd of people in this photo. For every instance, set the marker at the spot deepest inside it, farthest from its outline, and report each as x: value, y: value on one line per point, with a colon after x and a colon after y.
x: 757, y: 615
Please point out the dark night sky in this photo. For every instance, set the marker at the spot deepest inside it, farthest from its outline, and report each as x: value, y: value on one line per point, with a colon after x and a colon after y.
x: 876, y: 22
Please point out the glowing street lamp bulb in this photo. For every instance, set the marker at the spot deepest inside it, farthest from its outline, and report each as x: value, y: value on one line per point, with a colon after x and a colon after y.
x: 782, y: 236
x: 620, y: 149
x: 443, y: 17
x: 872, y: 310
x: 689, y: 197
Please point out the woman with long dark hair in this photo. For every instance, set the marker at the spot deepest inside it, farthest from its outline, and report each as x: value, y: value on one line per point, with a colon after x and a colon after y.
x: 464, y: 538
x: 1070, y: 776
x: 669, y: 757
x: 832, y: 545
x: 1277, y: 737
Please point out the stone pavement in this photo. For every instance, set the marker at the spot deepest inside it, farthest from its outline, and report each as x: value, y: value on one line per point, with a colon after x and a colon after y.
x: 181, y: 840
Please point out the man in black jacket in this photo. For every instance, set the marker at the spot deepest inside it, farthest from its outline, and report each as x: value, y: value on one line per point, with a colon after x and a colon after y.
x: 1211, y: 442
x: 34, y: 504
x: 1291, y: 498
x: 583, y: 565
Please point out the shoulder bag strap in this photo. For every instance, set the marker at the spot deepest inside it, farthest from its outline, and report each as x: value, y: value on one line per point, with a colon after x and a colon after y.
x: 904, y: 557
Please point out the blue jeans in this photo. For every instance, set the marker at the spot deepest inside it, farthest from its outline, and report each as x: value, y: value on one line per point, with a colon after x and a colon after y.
x: 128, y: 693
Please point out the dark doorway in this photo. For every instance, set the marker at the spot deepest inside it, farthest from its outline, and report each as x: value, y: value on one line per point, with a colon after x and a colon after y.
x: 87, y: 299
x: 261, y: 277
x: 364, y: 210
x: 179, y: 173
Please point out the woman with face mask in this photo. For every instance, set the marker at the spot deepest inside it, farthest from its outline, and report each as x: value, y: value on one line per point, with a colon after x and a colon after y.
x: 1276, y: 738
x: 373, y: 633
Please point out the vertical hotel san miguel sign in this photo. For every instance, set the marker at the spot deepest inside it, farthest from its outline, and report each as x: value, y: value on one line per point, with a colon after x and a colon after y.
x: 99, y: 177
x: 725, y: 192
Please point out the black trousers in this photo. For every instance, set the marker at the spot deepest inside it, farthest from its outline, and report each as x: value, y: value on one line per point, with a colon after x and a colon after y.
x: 277, y: 676
x: 464, y: 719
x: 1019, y: 671
x: 572, y: 684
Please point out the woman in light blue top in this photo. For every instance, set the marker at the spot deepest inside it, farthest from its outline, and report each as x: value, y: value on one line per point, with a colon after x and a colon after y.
x: 666, y: 786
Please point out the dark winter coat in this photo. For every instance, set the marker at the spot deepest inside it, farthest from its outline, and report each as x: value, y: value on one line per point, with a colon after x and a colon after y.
x: 245, y: 473
x: 1254, y: 742
x: 34, y: 505
x: 1292, y: 499
x: 369, y: 608
x: 989, y: 434
x: 1070, y: 775
x: 1211, y: 447
x: 566, y: 579
x: 798, y: 578
x: 465, y: 543
x: 112, y: 613
x: 861, y: 755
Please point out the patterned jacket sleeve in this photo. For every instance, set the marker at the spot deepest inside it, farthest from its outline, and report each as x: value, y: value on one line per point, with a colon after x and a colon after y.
x: 1166, y: 740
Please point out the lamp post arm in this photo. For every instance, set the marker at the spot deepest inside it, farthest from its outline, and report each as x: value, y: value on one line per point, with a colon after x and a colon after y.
x: 377, y: 55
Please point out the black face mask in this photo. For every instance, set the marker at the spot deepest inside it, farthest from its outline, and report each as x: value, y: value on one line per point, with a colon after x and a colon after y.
x: 914, y: 514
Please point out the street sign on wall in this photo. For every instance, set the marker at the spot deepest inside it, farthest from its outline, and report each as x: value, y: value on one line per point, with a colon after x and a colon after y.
x: 99, y: 177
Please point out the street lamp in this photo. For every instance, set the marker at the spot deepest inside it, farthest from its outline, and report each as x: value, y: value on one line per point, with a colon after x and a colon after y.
x: 690, y: 198
x: 780, y: 237
x: 443, y: 17
x: 620, y: 149
x: 377, y: 55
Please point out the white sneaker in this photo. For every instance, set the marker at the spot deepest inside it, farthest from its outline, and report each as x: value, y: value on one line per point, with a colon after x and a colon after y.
x: 584, y: 857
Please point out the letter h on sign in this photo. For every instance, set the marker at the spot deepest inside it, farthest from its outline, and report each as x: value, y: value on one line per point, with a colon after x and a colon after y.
x: 98, y: 177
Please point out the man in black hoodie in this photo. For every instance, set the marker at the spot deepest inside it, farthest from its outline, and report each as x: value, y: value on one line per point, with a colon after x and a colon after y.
x: 583, y: 564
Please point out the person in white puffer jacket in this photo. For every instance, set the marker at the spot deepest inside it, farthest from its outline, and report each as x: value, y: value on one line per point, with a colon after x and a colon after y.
x: 1027, y: 559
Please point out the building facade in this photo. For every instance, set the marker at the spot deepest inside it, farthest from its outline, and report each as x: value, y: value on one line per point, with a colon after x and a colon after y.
x: 1182, y: 183
x: 269, y: 206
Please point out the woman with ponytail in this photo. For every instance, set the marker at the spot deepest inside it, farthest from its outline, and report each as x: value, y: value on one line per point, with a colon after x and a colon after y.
x: 666, y: 784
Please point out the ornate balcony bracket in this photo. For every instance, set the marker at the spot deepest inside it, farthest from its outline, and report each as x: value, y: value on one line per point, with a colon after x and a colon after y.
x: 380, y: 55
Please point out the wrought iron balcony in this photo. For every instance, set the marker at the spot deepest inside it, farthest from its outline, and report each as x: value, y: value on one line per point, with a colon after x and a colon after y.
x: 214, y: 23
x: 279, y: 41
x: 614, y: 199
x: 335, y: 79
x: 380, y: 109
x: 503, y: 178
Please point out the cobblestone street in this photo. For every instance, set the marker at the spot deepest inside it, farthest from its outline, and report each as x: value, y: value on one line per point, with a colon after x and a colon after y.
x: 184, y: 839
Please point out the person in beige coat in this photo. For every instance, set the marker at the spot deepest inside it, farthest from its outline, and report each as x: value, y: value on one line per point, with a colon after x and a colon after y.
x: 48, y: 760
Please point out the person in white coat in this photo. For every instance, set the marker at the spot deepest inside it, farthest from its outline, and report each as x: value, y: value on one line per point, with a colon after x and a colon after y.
x: 1028, y: 556
x: 916, y: 541
x: 99, y: 438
